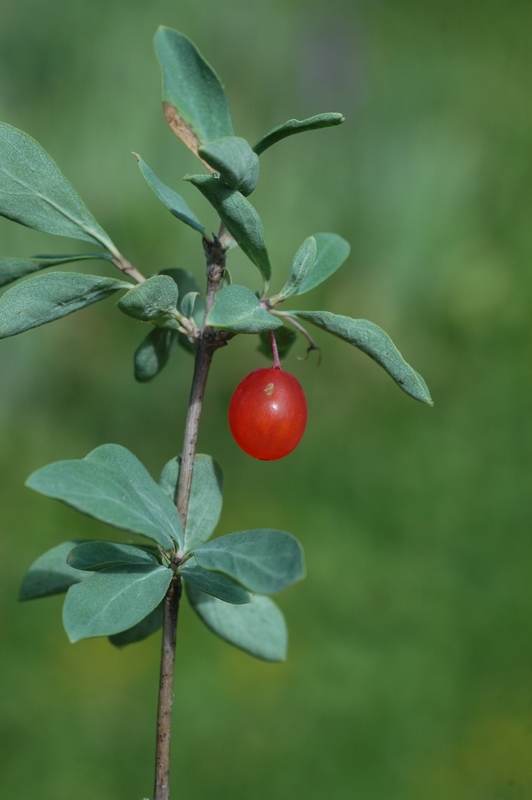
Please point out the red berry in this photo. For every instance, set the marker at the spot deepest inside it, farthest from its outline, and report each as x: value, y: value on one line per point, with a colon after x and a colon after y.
x: 268, y: 413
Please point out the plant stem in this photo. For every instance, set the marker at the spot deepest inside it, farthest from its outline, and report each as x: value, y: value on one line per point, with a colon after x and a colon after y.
x: 297, y: 325
x: 204, y: 354
x: 127, y: 268
x: 206, y: 344
x: 166, y: 690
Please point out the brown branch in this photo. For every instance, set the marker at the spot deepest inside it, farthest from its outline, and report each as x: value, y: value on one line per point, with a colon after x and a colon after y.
x: 166, y: 690
x: 206, y: 344
x: 204, y: 356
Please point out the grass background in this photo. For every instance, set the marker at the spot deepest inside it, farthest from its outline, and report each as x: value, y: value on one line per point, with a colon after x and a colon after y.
x: 409, y: 673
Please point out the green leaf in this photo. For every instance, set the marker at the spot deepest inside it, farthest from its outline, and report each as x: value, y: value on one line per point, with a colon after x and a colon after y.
x: 114, y: 600
x: 205, y: 504
x: 50, y: 573
x: 146, y: 627
x: 301, y: 265
x: 151, y: 299
x: 215, y: 584
x: 263, y: 560
x: 236, y: 162
x: 34, y: 192
x: 100, y: 555
x: 297, y: 126
x: 258, y: 628
x: 285, y: 338
x: 331, y: 253
x: 187, y: 304
x: 194, y: 101
x: 11, y: 269
x: 373, y: 341
x: 157, y: 505
x: 186, y: 283
x: 110, y: 484
x: 172, y: 200
x: 152, y: 354
x: 46, y: 298
x: 239, y: 217
x: 238, y: 310
x: 170, y: 476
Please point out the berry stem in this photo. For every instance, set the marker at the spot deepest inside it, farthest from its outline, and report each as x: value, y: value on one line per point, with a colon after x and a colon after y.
x: 276, y: 362
x: 297, y: 325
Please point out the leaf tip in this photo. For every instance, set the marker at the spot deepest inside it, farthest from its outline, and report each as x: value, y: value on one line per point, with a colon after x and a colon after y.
x: 29, y: 482
x: 425, y: 393
x: 423, y: 397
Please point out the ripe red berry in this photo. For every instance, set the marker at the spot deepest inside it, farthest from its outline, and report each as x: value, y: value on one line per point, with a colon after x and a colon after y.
x: 268, y: 413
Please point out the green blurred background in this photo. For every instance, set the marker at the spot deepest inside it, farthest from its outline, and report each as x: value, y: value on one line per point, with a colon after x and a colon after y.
x: 409, y: 674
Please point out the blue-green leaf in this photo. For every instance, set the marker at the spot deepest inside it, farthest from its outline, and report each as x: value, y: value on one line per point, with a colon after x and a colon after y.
x: 151, y: 299
x: 215, y: 584
x: 110, y: 484
x: 263, y: 560
x: 236, y: 162
x: 50, y: 573
x: 169, y: 198
x: 194, y: 101
x: 331, y: 252
x: 301, y: 265
x: 34, y: 192
x: 187, y: 304
x: 11, y: 269
x: 100, y: 555
x: 238, y: 310
x: 258, y: 628
x: 239, y: 217
x: 297, y: 126
x: 152, y: 354
x: 205, y: 504
x: 186, y: 284
x: 373, y: 341
x: 114, y: 600
x: 46, y: 298
x: 137, y: 633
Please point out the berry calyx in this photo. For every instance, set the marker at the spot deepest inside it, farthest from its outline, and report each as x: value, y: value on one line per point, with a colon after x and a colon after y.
x: 268, y: 413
